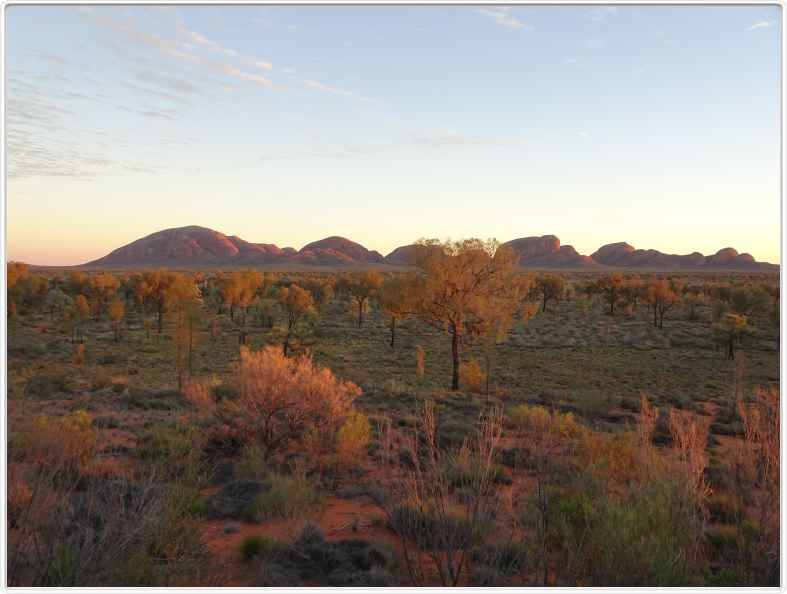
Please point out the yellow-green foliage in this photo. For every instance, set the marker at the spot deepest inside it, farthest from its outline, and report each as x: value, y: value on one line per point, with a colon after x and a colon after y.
x: 538, y: 417
x: 353, y: 438
x: 472, y: 376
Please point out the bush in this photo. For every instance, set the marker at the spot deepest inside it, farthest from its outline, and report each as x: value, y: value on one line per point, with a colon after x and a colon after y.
x: 250, y: 464
x: 271, y: 408
x: 256, y: 546
x: 345, y: 563
x: 233, y: 499
x: 287, y: 497
x: 353, y: 439
x: 168, y: 446
x: 437, y: 530
x: 472, y: 376
x: 49, y: 382
x: 640, y: 542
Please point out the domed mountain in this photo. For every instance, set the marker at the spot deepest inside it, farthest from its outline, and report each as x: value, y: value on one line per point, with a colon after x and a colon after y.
x: 182, y: 245
x: 546, y: 252
x: 202, y: 247
x: 623, y: 255
x: 337, y: 250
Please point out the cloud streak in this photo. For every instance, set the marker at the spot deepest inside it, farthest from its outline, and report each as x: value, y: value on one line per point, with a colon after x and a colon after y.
x: 762, y: 25
x: 503, y: 19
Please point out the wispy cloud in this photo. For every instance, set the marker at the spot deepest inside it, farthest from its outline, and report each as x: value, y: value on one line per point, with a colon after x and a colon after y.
x: 583, y: 135
x: 601, y: 13
x: 199, y: 39
x: 231, y: 70
x: 52, y: 57
x: 592, y: 43
x: 503, y: 19
x: 148, y: 112
x: 313, y: 84
x: 452, y: 138
x: 260, y: 64
x: 762, y: 25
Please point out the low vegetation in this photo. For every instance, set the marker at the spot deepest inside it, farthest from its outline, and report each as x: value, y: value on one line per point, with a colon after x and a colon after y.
x: 461, y: 423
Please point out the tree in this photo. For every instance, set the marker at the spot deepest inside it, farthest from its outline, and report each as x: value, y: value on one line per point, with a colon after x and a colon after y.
x: 611, y: 286
x: 550, y: 286
x: 151, y: 292
x: 321, y: 290
x: 731, y: 327
x: 24, y: 290
x: 750, y: 301
x: 296, y: 303
x: 247, y: 286
x: 116, y: 312
x: 102, y: 286
x: 632, y: 290
x: 182, y: 297
x: 661, y: 298
x: 58, y: 301
x: 396, y: 300
x: 363, y: 285
x: 79, y: 313
x: 464, y: 288
x: 693, y: 302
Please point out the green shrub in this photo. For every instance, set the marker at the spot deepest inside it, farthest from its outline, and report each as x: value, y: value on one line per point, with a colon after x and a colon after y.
x: 50, y: 381
x: 250, y: 464
x: 168, y: 446
x: 256, y: 546
x: 640, y: 542
x: 426, y: 530
x: 287, y: 497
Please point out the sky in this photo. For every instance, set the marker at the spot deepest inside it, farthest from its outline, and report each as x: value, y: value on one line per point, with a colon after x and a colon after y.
x: 654, y: 125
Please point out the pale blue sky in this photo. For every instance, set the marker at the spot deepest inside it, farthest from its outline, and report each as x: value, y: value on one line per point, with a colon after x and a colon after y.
x: 653, y: 125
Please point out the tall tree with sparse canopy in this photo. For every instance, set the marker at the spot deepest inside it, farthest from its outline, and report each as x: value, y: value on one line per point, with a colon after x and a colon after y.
x: 151, y: 292
x: 611, y: 286
x: 731, y: 327
x: 362, y: 287
x: 661, y: 298
x: 182, y: 296
x: 296, y: 303
x: 550, y: 286
x: 396, y: 300
x: 465, y: 287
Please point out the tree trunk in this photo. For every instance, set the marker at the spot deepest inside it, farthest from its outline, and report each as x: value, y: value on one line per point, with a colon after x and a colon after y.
x: 730, y: 352
x: 360, y: 312
x: 544, y: 305
x: 611, y: 308
x: 455, y: 353
x: 160, y: 314
x: 393, y: 331
x: 655, y: 322
x: 661, y: 320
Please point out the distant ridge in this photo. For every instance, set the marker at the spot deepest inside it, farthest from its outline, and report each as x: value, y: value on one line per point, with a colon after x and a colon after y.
x: 203, y: 247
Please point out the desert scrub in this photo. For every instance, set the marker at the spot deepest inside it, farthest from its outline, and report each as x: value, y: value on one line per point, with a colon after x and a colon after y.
x: 255, y: 546
x: 435, y: 530
x: 168, y: 446
x: 287, y: 497
x: 353, y: 439
x: 250, y: 464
